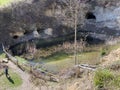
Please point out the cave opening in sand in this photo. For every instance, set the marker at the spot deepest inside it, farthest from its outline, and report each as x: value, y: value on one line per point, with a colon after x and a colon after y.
x: 15, y: 37
x: 90, y: 15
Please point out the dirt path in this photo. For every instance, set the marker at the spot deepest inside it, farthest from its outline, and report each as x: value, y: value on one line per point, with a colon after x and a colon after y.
x: 26, y: 85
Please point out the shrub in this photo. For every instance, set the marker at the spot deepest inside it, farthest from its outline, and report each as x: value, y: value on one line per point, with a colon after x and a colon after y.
x: 105, y: 50
x: 103, y: 78
x: 103, y: 53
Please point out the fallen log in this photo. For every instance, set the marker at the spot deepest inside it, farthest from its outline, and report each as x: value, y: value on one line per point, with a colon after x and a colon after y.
x: 12, y: 58
x: 45, y: 75
x: 39, y: 73
x: 86, y: 66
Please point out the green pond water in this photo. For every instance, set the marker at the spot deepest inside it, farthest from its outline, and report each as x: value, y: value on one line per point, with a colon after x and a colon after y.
x: 91, y: 55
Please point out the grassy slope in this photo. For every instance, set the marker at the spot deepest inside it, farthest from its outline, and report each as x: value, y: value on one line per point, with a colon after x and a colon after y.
x: 5, y: 83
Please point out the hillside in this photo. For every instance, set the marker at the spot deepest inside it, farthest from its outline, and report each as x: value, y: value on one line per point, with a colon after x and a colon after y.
x: 59, y: 44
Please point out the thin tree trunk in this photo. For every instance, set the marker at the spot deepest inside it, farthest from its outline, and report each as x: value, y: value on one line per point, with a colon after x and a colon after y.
x: 75, y: 38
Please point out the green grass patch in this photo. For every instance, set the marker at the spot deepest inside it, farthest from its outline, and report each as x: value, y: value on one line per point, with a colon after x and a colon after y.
x: 59, y: 61
x: 5, y: 2
x: 56, y: 57
x: 106, y: 79
x: 21, y: 60
x: 103, y: 77
x: 89, y: 57
x: 2, y: 55
x: 5, y: 83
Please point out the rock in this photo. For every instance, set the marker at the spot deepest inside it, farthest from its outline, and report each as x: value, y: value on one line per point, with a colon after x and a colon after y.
x: 48, y: 31
x: 109, y: 16
x: 5, y: 60
x: 36, y: 34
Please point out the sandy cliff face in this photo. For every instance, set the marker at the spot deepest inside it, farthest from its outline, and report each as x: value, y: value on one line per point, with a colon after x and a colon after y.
x: 26, y: 16
x: 109, y: 15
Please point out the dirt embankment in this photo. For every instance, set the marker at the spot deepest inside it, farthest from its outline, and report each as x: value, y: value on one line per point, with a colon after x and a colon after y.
x: 111, y: 58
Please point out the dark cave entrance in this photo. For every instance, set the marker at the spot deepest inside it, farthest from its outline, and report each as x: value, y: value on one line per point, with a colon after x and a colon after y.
x: 40, y: 30
x: 90, y: 15
x: 15, y: 37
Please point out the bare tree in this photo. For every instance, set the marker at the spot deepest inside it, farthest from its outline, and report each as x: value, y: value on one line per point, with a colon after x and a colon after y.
x: 75, y: 18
